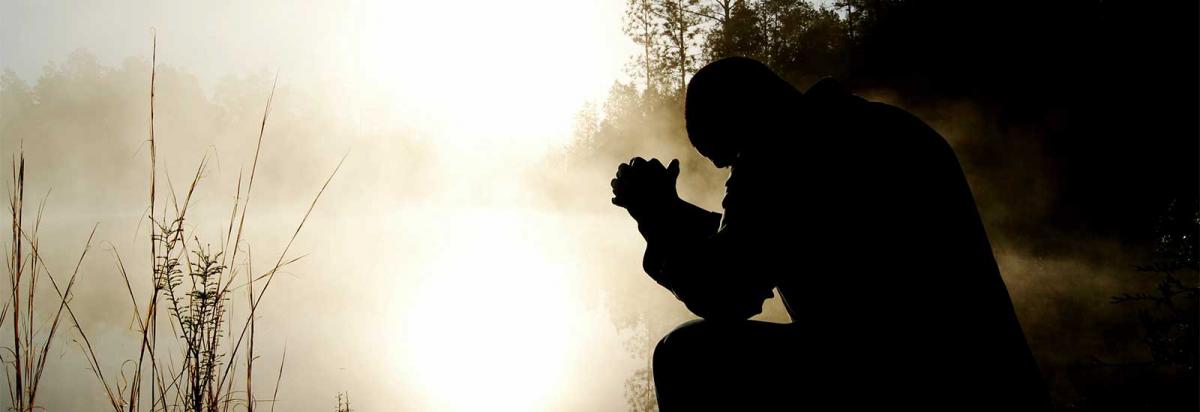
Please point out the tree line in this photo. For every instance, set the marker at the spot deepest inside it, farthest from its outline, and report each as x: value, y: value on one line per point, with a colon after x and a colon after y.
x: 797, y: 38
x: 1074, y: 120
x: 801, y: 40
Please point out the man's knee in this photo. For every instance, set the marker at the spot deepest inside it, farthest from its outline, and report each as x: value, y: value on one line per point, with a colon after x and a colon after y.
x: 678, y: 359
x: 683, y: 336
x: 712, y: 364
x: 718, y: 342
x: 689, y: 341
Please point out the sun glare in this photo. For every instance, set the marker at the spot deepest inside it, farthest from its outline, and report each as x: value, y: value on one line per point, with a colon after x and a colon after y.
x: 491, y: 325
x: 516, y: 71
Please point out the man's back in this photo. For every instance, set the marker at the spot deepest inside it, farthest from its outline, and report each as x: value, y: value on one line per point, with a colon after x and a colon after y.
x: 862, y: 218
x: 859, y: 214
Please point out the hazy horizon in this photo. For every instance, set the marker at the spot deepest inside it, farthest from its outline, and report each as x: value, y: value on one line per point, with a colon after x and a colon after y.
x: 400, y: 255
x: 456, y: 261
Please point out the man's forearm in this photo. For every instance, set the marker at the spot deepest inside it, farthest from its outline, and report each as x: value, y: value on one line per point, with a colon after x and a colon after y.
x: 671, y: 229
x: 686, y: 254
x: 676, y: 221
x: 697, y: 270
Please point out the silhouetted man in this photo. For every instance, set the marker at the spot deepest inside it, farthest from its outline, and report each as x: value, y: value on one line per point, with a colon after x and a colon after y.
x: 859, y: 214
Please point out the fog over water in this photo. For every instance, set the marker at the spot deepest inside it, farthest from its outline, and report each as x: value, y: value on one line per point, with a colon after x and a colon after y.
x: 455, y: 261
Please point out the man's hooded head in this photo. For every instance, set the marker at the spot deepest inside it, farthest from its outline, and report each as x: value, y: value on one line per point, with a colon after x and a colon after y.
x: 732, y: 101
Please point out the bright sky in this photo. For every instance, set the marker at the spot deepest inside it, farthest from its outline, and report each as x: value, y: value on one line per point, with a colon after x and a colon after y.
x: 483, y: 311
x: 493, y: 83
x: 520, y: 69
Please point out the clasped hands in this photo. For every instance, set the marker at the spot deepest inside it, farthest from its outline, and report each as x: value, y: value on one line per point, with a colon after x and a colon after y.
x: 643, y: 186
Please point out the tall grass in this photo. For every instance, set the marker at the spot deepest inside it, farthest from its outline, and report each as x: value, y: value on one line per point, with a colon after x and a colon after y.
x: 191, y: 364
x: 343, y: 402
x: 26, y: 359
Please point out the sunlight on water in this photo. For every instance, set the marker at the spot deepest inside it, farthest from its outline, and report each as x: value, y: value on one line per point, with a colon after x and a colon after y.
x: 436, y: 275
x: 490, y: 328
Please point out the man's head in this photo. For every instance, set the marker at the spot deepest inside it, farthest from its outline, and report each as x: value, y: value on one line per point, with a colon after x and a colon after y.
x: 732, y: 101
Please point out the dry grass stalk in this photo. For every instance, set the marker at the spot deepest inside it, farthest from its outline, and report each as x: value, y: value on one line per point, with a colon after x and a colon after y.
x: 192, y: 284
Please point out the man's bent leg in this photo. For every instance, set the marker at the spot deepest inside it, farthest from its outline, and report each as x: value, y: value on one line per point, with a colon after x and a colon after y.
x: 707, y: 365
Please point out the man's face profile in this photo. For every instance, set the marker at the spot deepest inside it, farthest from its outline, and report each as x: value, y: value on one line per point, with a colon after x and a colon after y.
x: 715, y: 140
x: 730, y: 103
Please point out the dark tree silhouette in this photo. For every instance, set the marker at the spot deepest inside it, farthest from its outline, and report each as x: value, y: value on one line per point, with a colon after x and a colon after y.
x: 1104, y: 91
x: 1168, y: 374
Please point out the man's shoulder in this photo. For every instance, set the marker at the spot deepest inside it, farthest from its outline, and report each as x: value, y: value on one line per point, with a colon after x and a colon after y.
x: 826, y: 87
x: 873, y: 130
x: 891, y: 127
x: 831, y: 97
x: 907, y: 129
x: 832, y: 94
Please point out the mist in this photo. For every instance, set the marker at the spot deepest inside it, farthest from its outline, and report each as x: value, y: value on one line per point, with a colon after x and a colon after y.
x: 465, y: 255
x: 429, y: 264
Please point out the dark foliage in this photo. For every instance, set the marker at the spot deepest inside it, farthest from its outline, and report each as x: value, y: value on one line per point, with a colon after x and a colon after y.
x: 1105, y: 91
x: 1168, y: 374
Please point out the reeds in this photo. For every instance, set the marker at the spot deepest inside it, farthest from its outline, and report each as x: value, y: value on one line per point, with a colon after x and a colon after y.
x: 26, y: 359
x: 194, y: 368
x: 343, y: 402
